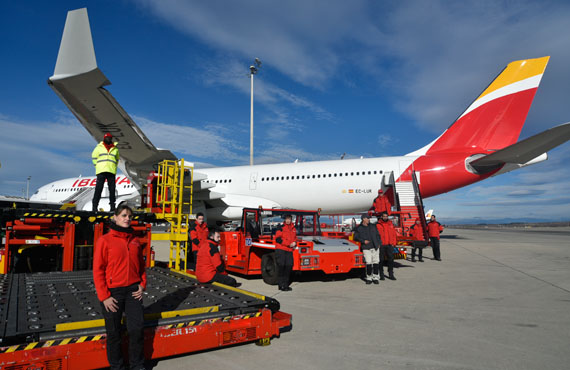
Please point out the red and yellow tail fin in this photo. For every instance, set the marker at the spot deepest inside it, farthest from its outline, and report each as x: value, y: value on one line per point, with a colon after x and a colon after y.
x: 495, y: 119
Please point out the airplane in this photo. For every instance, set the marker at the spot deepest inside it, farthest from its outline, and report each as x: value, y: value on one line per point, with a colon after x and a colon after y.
x: 481, y: 143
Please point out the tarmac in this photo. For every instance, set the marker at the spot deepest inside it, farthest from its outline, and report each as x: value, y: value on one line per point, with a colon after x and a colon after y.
x: 499, y: 299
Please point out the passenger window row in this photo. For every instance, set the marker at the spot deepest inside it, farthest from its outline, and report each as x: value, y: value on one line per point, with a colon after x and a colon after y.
x: 319, y: 176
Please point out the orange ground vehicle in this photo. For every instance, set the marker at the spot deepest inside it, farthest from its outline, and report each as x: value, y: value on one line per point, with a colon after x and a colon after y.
x: 250, y: 249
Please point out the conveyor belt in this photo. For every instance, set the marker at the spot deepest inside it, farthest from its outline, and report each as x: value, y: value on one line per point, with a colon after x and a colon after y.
x: 32, y: 305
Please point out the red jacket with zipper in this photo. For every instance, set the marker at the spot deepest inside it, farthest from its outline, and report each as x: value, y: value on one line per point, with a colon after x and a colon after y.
x: 382, y: 204
x: 198, y: 235
x: 416, y: 231
x: 434, y: 228
x: 387, y: 232
x: 117, y: 261
x: 209, y: 261
x: 284, y: 236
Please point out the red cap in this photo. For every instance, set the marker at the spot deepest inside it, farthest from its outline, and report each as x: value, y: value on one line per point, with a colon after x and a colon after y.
x: 107, y: 135
x: 380, y: 191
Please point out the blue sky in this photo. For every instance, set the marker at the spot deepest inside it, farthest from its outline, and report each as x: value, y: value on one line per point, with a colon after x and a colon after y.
x: 365, y: 78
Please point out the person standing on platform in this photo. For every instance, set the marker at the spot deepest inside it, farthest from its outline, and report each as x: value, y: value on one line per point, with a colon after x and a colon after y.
x: 105, y: 158
x: 434, y: 229
x: 286, y: 238
x: 388, y: 235
x: 419, y: 242
x: 210, y: 265
x: 120, y: 278
x: 198, y: 235
x: 367, y: 235
x: 381, y: 204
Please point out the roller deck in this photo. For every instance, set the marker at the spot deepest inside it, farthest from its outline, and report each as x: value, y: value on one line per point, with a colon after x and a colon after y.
x: 53, y: 320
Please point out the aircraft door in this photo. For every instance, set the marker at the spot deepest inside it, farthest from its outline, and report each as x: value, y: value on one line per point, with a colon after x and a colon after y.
x: 253, y: 181
x: 404, y: 164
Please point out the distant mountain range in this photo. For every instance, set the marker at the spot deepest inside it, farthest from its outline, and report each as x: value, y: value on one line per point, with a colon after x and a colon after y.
x: 492, y: 221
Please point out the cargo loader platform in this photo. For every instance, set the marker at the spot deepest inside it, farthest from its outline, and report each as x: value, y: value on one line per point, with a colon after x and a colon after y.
x: 53, y: 320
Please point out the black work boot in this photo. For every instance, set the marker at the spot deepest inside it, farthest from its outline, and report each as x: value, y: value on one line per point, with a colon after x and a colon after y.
x: 382, y: 275
x: 391, y: 276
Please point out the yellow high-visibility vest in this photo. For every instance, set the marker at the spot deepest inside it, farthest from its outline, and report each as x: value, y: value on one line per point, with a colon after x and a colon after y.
x: 105, y: 161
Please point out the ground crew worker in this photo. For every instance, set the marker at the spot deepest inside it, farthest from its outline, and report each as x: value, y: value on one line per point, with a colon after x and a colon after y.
x: 105, y: 158
x: 367, y: 235
x: 434, y: 228
x: 419, y: 242
x: 120, y: 278
x: 388, y: 235
x: 381, y: 204
x: 198, y: 235
x: 209, y: 265
x: 286, y: 238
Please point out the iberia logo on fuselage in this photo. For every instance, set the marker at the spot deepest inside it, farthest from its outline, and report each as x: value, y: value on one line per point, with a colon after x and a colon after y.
x: 120, y: 180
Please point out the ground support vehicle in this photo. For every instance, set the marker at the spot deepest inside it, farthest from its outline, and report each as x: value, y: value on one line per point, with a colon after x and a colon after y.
x: 53, y: 320
x: 250, y: 250
x: 42, y: 240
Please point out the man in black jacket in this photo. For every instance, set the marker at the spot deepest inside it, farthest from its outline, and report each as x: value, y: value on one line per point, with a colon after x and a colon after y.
x: 367, y: 235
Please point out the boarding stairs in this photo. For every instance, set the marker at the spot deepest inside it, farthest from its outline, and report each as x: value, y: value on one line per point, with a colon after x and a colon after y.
x: 407, y: 201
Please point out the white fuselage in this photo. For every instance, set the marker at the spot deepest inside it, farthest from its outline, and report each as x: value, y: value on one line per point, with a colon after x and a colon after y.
x: 338, y: 186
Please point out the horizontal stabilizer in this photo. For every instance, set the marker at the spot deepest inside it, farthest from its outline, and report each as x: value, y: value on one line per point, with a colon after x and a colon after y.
x: 523, y: 151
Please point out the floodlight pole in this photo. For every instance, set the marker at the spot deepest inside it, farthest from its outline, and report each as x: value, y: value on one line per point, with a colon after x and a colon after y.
x: 28, y: 188
x: 252, y: 70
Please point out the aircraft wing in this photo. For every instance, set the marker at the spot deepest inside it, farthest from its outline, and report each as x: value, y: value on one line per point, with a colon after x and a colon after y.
x: 524, y: 152
x: 80, y: 84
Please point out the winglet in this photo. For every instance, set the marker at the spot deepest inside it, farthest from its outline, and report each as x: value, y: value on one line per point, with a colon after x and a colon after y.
x: 76, y: 52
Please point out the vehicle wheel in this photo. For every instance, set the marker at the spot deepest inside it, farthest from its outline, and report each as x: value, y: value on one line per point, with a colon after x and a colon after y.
x: 269, y: 269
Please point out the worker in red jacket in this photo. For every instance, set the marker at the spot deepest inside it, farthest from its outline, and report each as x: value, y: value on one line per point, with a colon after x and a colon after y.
x: 417, y: 233
x: 120, y: 278
x: 388, y: 236
x: 381, y: 204
x: 209, y: 265
x: 434, y: 228
x: 198, y: 234
x: 286, y: 238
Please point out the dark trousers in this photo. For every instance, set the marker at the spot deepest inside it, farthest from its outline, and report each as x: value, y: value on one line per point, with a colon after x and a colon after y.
x: 284, y: 260
x: 133, y: 310
x: 387, y: 258
x: 435, y: 247
x: 101, y: 177
x: 224, y: 279
x: 418, y: 246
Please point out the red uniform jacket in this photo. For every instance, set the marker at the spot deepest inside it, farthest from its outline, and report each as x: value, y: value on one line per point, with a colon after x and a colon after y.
x: 285, y: 236
x: 387, y: 232
x: 434, y: 228
x: 117, y: 261
x: 416, y: 231
x: 382, y: 204
x: 198, y: 235
x: 209, y: 262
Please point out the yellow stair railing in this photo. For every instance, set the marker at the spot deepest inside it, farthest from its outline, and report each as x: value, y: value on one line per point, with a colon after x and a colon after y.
x: 175, y: 200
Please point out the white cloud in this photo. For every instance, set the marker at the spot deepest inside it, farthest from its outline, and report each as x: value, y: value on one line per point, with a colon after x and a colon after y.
x: 231, y: 72
x: 434, y: 57
x: 47, y: 151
